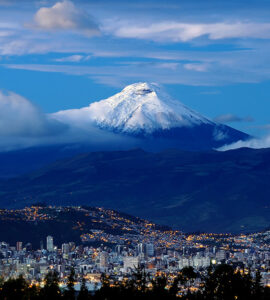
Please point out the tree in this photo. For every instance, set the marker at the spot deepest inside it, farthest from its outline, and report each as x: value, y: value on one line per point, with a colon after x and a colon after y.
x: 84, y: 293
x: 1, y: 281
x: 139, y: 279
x: 257, y: 287
x: 159, y: 290
x: 224, y: 283
x: 69, y: 293
x: 14, y: 289
x: 33, y: 293
x: 209, y: 284
x: 187, y: 275
x: 51, y: 288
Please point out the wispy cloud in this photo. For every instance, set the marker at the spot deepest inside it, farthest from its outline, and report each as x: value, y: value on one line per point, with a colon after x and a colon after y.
x: 244, y: 59
x: 73, y: 58
x: 127, y: 74
x: 229, y: 118
x: 199, y: 67
x: 213, y: 69
x: 184, y: 32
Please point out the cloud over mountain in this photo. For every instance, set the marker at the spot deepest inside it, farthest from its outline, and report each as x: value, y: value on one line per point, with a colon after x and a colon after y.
x: 258, y: 143
x: 22, y: 124
x: 19, y: 117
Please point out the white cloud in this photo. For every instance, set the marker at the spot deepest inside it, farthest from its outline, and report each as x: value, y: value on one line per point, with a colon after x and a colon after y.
x: 22, y: 125
x: 159, y: 65
x: 199, y: 67
x: 66, y: 16
x: 18, y: 117
x: 184, y: 32
x: 73, y: 58
x: 6, y: 33
x: 253, y: 143
x: 170, y: 66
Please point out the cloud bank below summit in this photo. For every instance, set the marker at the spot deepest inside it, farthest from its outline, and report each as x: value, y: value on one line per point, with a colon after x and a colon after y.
x: 22, y: 124
x: 19, y: 117
x: 256, y: 143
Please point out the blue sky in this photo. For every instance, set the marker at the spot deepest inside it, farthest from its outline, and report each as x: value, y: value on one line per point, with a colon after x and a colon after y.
x: 214, y: 56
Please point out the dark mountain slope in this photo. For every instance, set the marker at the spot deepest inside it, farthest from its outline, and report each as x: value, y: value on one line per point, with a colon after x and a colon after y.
x: 21, y: 161
x: 211, y: 191
x: 68, y: 224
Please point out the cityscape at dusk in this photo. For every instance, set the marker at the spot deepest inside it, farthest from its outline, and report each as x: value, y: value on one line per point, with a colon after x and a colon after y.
x: 134, y: 149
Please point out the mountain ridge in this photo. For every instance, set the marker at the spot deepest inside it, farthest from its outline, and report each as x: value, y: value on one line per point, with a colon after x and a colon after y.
x: 208, y: 191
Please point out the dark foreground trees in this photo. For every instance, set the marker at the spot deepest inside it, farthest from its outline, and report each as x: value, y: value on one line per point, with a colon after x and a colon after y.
x: 220, y: 283
x: 225, y: 283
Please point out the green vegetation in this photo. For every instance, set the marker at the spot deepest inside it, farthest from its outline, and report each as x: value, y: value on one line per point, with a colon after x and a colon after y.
x: 221, y: 283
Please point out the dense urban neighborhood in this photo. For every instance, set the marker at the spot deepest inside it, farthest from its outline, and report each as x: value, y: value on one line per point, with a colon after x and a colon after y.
x: 119, y: 253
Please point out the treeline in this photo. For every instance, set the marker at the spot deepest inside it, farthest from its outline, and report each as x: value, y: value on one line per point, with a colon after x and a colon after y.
x: 220, y: 283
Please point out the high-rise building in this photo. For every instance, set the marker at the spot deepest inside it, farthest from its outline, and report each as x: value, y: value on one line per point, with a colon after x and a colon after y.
x: 150, y: 249
x: 104, y: 258
x: 65, y: 248
x: 19, y: 246
x: 118, y: 249
x: 140, y: 248
x: 131, y: 262
x: 220, y: 255
x: 184, y: 262
x: 50, y: 247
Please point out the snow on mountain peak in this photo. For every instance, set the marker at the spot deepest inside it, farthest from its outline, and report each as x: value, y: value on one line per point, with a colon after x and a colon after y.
x: 138, y: 108
x: 142, y: 107
x: 141, y: 88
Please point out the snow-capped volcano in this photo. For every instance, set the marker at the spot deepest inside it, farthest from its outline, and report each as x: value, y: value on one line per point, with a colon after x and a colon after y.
x: 139, y: 107
x: 144, y: 110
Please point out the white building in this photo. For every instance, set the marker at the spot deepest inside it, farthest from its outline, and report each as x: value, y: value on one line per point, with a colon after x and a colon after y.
x: 184, y: 262
x: 50, y: 246
x: 150, y: 249
x: 104, y: 259
x: 220, y: 255
x: 131, y: 263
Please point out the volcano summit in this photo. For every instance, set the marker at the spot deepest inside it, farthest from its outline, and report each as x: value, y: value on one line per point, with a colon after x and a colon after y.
x: 147, y: 113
